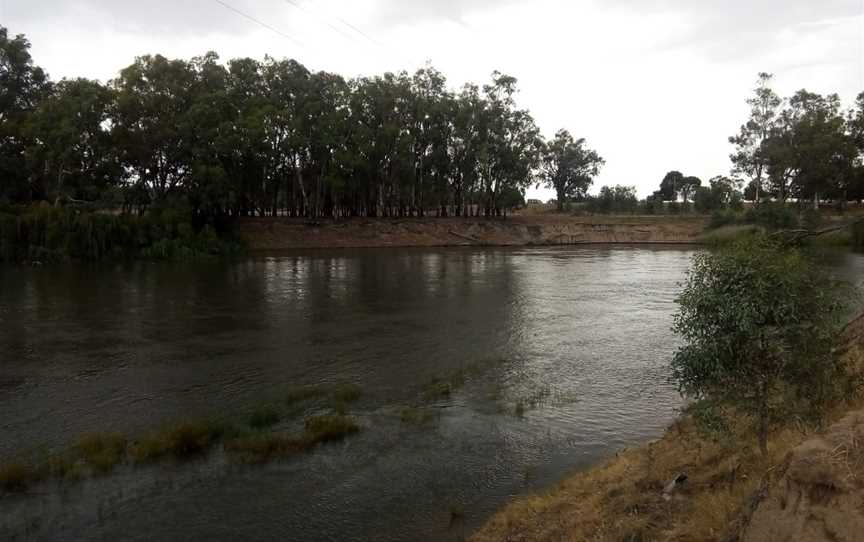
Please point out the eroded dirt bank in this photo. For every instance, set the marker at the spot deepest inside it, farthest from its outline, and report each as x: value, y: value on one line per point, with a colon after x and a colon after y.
x: 263, y: 234
x: 809, y: 488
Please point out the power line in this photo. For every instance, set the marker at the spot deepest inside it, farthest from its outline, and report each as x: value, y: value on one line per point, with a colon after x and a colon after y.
x: 336, y: 28
x: 259, y: 22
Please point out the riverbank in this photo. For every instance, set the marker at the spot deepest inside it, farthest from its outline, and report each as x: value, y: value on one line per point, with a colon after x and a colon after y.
x: 266, y: 234
x: 809, y: 487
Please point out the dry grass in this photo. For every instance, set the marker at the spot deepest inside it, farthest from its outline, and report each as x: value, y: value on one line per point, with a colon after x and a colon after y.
x: 262, y: 447
x: 180, y: 441
x: 101, y: 451
x: 623, y: 498
x: 329, y: 428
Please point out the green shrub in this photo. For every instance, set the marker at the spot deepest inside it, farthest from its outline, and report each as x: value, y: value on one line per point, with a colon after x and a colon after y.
x: 772, y: 216
x: 722, y: 217
x: 50, y: 234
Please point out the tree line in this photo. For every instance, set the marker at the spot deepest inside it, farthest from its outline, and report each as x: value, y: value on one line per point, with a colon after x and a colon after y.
x: 271, y: 137
x: 805, y: 148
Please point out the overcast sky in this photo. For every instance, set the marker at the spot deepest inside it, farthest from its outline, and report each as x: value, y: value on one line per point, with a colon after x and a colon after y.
x: 653, y: 85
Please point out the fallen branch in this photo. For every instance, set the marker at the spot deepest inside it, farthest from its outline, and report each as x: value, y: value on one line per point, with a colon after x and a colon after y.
x: 796, y: 236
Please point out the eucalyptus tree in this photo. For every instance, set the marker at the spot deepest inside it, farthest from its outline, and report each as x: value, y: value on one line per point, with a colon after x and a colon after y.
x: 153, y: 97
x: 670, y: 186
x: 758, y: 321
x: 569, y: 167
x: 748, y: 159
x: 688, y: 186
x: 70, y: 150
x: 208, y: 123
x: 468, y: 133
x: 510, y: 151
x: 22, y: 86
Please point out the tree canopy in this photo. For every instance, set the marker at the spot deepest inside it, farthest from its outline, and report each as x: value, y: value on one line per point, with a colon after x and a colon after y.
x: 272, y: 137
x: 757, y: 321
x: 569, y: 167
x: 805, y: 147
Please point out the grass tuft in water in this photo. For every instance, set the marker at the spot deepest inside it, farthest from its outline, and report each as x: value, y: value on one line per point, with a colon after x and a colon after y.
x: 101, y: 451
x: 302, y: 394
x: 17, y: 477
x: 181, y: 441
x: 262, y: 447
x: 347, y: 393
x: 417, y: 416
x: 330, y: 427
x: 264, y: 416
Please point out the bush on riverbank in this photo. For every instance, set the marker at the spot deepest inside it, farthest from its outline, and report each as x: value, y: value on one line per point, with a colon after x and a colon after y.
x: 44, y: 233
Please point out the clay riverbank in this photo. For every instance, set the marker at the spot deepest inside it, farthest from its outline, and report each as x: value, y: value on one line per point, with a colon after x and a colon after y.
x: 263, y: 234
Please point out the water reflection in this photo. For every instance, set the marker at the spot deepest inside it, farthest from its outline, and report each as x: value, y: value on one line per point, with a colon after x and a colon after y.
x: 125, y: 347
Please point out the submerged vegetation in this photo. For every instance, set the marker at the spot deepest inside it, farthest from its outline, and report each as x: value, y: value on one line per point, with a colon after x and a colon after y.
x: 260, y: 436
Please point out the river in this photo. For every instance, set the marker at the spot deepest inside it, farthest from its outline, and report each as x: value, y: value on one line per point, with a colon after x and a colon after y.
x: 574, y: 345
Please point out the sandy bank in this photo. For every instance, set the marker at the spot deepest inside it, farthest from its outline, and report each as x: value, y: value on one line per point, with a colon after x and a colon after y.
x: 263, y: 234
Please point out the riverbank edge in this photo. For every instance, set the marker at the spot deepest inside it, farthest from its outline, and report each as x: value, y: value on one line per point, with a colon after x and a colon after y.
x: 274, y: 234
x: 731, y: 492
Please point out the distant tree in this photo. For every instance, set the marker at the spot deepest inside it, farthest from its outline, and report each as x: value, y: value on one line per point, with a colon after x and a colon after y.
x: 614, y: 199
x: 568, y: 167
x: 748, y: 160
x: 757, y: 320
x: 512, y: 198
x: 688, y: 186
x: 670, y: 186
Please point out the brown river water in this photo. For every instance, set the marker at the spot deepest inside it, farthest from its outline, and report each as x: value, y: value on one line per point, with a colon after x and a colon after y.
x: 580, y: 335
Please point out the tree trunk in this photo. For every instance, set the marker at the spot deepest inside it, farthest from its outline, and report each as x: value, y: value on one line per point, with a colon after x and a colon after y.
x: 763, y: 418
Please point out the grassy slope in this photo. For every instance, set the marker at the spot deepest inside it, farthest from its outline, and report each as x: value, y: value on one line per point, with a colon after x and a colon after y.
x: 623, y: 498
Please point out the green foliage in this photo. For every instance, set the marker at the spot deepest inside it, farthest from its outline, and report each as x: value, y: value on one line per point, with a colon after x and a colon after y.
x: 569, y: 167
x: 616, y: 199
x: 51, y: 234
x: 255, y: 138
x: 772, y: 216
x: 758, y: 321
x: 710, y: 418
